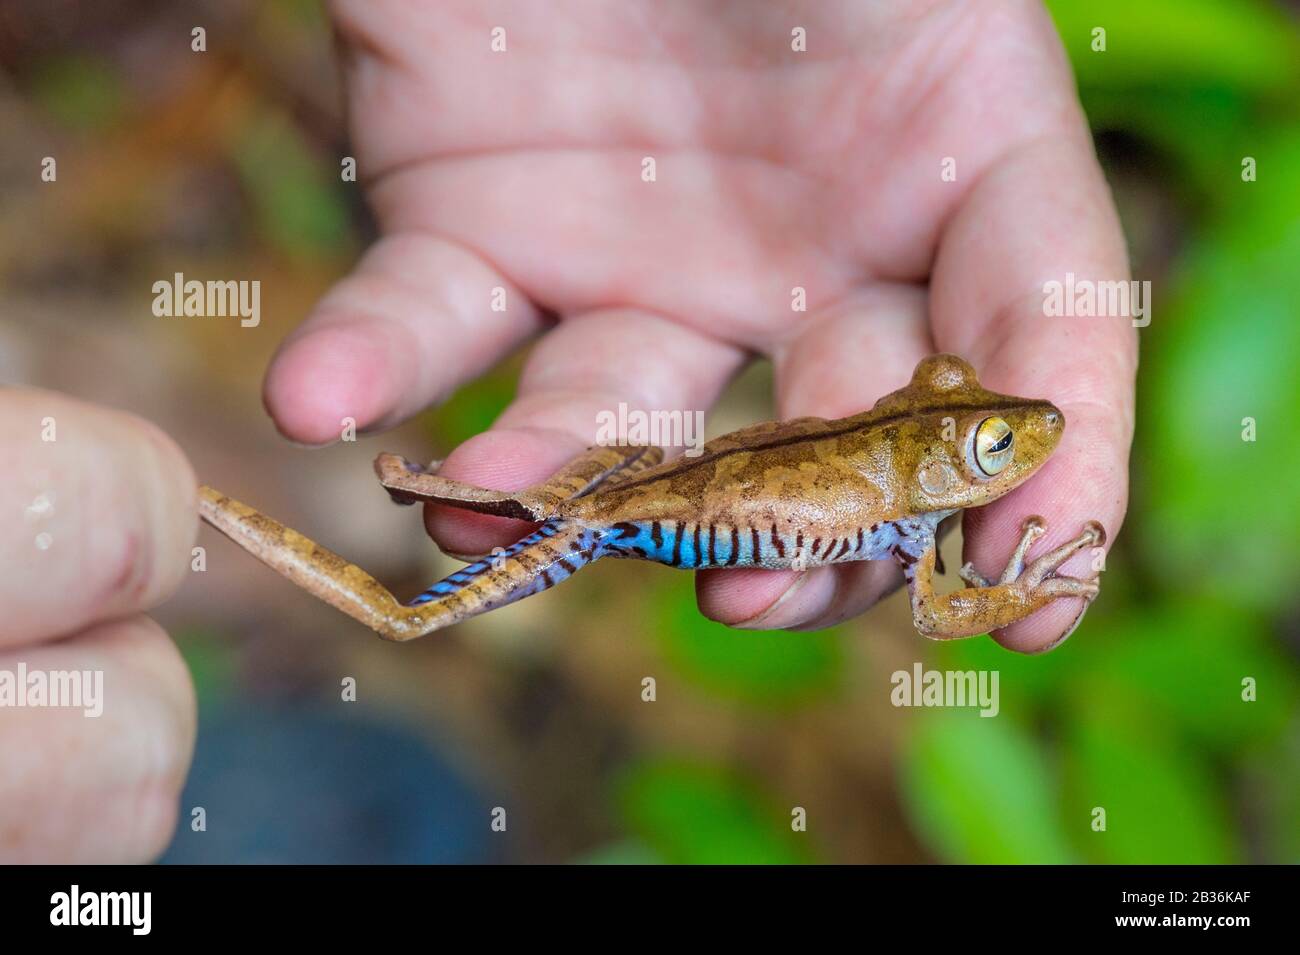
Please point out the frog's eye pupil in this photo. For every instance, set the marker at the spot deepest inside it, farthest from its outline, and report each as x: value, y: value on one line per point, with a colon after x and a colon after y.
x: 994, y: 442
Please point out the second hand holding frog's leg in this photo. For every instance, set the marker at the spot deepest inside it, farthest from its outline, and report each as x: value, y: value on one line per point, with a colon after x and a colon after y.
x: 986, y: 606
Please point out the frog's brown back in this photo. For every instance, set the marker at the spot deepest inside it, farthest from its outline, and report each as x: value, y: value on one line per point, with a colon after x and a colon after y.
x: 759, y: 461
x: 770, y: 458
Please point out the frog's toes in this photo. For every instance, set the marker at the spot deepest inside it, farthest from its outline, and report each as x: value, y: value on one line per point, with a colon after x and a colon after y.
x: 973, y: 577
x: 1068, y: 587
x: 1044, y: 567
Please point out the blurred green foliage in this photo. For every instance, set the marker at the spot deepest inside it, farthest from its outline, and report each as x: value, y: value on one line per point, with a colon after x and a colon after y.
x: 1226, y: 355
x: 472, y: 408
x: 694, y: 813
x: 79, y: 91
x: 762, y: 668
x: 979, y: 790
x: 296, y: 196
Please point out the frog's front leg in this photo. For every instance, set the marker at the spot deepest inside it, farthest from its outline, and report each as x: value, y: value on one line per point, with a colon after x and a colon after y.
x: 986, y: 605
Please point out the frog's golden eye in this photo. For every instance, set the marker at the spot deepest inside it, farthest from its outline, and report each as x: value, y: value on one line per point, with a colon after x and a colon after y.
x: 993, y: 445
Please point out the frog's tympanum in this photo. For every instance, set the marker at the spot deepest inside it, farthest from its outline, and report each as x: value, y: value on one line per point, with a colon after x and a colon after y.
x: 794, y: 494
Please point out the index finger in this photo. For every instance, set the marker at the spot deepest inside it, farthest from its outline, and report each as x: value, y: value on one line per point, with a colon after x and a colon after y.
x: 98, y: 514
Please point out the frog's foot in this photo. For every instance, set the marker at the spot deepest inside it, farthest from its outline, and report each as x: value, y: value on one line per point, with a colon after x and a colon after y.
x: 408, y: 483
x: 1039, y: 578
x: 973, y: 577
x: 989, y: 605
x: 407, y: 467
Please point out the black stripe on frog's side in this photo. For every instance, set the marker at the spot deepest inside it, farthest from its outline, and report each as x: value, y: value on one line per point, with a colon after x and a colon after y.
x: 777, y: 542
x: 691, y: 546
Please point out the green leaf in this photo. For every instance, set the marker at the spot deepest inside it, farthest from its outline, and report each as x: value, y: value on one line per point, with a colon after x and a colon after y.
x: 1242, y: 44
x: 299, y: 209
x: 696, y: 814
x: 1221, y: 514
x: 211, y: 661
x: 79, y: 91
x: 1160, y: 800
x: 978, y: 791
x: 1183, y: 664
x: 768, y: 668
x: 473, y: 408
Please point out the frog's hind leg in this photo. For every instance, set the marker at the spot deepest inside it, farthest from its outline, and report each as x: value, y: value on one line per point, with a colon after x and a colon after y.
x: 550, y: 554
x: 408, y: 483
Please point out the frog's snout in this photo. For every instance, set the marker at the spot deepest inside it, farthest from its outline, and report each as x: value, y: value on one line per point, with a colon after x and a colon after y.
x: 1053, y: 425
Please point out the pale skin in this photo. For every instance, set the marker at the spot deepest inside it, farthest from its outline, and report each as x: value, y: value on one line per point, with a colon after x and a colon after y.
x: 117, y: 500
x: 772, y: 172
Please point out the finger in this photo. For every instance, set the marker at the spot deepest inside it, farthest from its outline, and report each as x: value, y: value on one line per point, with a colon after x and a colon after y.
x: 82, y: 788
x: 415, y: 319
x: 98, y: 514
x: 839, y: 364
x: 587, y: 365
x: 1043, y: 211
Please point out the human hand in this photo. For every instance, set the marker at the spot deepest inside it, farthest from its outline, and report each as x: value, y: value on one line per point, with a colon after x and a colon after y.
x: 97, y: 517
x: 775, y: 169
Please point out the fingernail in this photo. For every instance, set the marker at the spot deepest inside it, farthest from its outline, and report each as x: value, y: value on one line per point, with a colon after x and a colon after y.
x: 1068, y: 633
x: 758, y: 621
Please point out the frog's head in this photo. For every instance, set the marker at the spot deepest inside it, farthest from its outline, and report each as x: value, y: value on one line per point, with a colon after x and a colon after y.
x: 971, y: 445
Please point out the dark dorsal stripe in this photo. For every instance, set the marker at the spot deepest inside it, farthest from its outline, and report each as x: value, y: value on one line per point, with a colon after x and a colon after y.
x: 842, y: 427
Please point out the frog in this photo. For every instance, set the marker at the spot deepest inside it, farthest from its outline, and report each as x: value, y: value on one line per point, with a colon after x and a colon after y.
x: 782, y: 495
